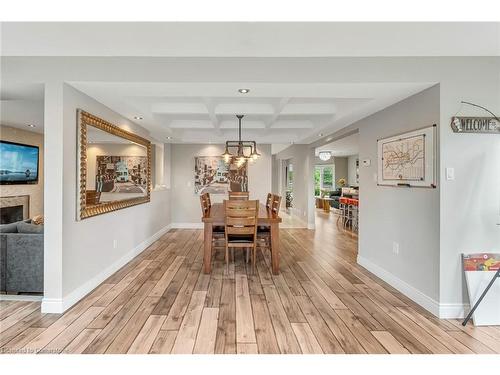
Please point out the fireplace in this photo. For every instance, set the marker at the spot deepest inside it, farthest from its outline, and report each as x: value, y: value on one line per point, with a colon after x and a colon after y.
x: 14, y: 209
x: 11, y: 214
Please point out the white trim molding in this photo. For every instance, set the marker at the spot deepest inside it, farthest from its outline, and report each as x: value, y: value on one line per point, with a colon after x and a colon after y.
x: 19, y: 297
x: 411, y: 292
x: 453, y: 310
x: 60, y: 305
x: 441, y: 310
x: 187, y: 225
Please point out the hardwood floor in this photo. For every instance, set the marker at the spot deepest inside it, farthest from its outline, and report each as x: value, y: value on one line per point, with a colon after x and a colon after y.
x: 322, y: 302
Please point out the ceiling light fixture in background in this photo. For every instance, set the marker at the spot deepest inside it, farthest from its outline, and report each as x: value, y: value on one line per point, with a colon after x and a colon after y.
x: 325, y: 155
x: 138, y: 118
x: 244, y: 91
x: 32, y: 126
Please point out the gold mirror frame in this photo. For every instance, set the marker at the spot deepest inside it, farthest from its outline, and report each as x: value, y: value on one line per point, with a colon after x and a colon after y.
x: 85, y: 119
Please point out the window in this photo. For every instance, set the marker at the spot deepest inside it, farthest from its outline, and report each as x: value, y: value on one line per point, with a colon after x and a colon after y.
x: 323, y: 178
x: 289, y: 177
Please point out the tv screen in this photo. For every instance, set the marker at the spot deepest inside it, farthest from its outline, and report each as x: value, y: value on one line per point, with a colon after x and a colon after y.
x: 18, y: 163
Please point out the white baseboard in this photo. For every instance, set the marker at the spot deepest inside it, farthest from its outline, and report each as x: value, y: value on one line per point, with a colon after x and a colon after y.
x: 441, y: 310
x: 60, y: 305
x: 187, y: 225
x: 453, y: 310
x: 411, y: 292
x: 19, y: 297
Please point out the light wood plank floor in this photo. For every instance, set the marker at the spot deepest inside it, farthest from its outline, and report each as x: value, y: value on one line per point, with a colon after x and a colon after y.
x: 322, y: 302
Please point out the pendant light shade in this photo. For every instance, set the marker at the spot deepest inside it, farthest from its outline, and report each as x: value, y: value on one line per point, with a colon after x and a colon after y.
x: 245, y: 150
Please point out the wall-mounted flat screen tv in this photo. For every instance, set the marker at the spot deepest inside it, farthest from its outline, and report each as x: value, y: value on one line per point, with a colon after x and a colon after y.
x: 18, y: 163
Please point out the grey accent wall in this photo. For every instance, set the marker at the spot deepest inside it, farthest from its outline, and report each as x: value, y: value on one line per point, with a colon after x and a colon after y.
x: 406, y: 216
x: 340, y: 169
x: 186, y: 204
x: 88, y: 244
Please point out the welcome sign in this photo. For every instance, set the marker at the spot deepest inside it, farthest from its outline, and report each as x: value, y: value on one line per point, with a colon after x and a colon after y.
x: 489, y: 125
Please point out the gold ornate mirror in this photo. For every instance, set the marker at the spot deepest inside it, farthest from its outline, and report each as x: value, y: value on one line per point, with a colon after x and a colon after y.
x: 115, y: 167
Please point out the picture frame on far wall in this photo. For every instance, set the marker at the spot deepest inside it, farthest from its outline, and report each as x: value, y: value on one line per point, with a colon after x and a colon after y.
x: 213, y: 175
x: 408, y: 159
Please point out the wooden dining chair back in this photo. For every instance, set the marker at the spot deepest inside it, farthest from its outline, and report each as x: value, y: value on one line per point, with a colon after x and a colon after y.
x: 239, y: 195
x: 269, y: 200
x: 276, y: 203
x: 241, y: 226
x: 205, y: 203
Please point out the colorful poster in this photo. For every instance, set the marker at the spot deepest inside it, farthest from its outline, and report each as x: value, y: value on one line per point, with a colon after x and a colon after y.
x: 480, y: 269
x: 481, y: 262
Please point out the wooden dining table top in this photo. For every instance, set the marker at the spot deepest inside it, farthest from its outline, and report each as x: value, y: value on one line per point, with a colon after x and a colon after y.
x: 216, y: 215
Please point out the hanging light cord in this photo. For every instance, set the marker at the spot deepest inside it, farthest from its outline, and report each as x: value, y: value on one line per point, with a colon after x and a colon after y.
x: 487, y: 110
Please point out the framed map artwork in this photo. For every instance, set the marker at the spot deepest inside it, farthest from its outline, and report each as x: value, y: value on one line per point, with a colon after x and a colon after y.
x: 408, y: 159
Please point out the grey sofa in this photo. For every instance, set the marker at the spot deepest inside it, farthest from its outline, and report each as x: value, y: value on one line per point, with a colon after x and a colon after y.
x: 21, y: 258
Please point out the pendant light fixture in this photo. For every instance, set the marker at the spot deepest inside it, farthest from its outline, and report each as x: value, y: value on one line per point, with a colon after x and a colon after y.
x: 325, y: 155
x: 245, y: 150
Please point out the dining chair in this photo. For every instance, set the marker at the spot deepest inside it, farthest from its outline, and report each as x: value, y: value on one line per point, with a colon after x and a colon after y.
x: 218, y: 237
x: 276, y: 203
x: 264, y: 231
x: 239, y: 195
x: 205, y: 203
x: 241, y: 227
x: 269, y: 200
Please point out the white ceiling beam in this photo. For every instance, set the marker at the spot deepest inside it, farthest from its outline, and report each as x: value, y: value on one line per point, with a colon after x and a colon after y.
x: 210, y: 105
x: 179, y: 108
x: 277, y: 110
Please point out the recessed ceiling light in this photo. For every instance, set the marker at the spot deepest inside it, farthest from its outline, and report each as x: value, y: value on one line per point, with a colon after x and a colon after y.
x: 137, y: 118
x: 244, y: 91
x: 32, y: 126
x: 169, y: 137
x: 320, y: 134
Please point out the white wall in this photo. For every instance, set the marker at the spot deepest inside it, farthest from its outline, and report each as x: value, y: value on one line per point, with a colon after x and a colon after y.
x: 88, y: 256
x: 351, y: 170
x: 186, y: 204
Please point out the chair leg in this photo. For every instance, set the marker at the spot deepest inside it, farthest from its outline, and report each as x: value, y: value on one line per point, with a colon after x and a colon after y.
x: 227, y: 260
x: 247, y: 252
x: 254, y: 258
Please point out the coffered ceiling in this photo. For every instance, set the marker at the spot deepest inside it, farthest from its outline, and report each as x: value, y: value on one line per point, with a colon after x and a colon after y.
x: 274, y: 113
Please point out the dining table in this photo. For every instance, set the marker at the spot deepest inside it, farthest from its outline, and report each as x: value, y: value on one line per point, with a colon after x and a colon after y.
x: 215, y: 216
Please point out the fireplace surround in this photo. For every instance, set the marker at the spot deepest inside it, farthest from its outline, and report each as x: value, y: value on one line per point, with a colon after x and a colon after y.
x: 14, y: 208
